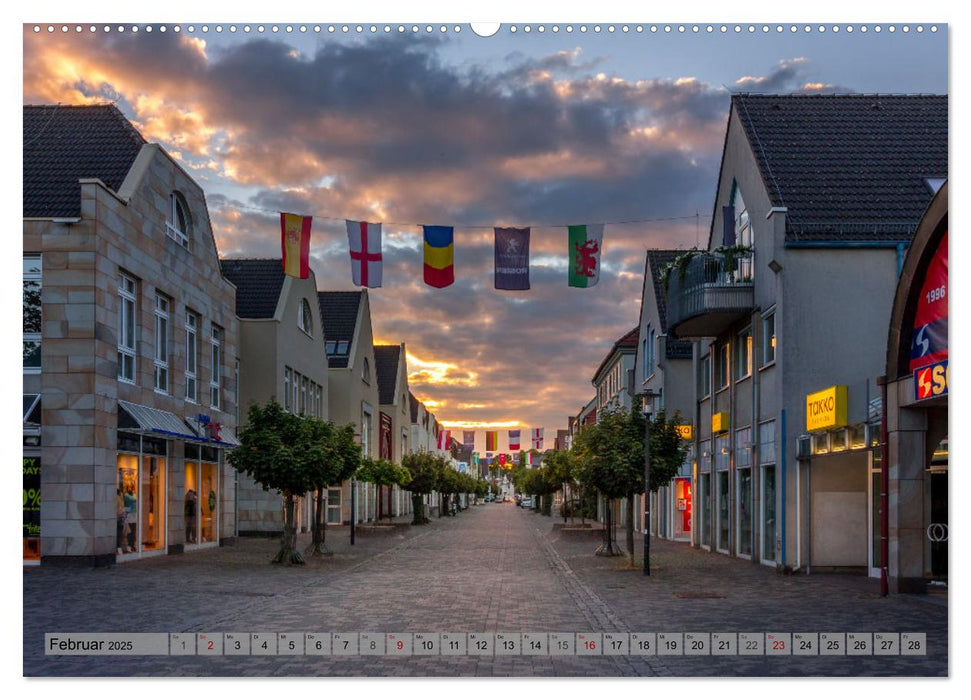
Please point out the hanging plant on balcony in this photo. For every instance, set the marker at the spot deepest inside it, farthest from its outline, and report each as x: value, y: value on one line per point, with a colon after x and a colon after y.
x: 666, y: 275
x: 730, y: 256
x: 680, y: 263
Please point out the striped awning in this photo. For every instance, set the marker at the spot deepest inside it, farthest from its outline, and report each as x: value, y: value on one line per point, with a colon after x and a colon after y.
x: 229, y: 438
x: 32, y: 409
x: 136, y: 418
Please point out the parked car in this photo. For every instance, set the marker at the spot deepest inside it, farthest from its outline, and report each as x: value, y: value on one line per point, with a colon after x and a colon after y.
x: 527, y: 502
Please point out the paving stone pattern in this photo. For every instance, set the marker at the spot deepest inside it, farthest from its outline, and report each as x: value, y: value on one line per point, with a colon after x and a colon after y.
x: 493, y: 568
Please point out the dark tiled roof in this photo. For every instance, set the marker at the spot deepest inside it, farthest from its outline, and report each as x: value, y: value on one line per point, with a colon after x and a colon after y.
x: 413, y: 405
x: 338, y: 311
x: 386, y: 359
x: 258, y: 284
x: 656, y: 260
x: 848, y: 167
x: 628, y: 340
x: 63, y: 144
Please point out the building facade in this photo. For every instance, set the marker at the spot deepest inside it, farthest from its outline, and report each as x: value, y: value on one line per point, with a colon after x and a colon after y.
x: 818, y: 198
x: 282, y: 357
x: 130, y: 347
x: 395, y: 415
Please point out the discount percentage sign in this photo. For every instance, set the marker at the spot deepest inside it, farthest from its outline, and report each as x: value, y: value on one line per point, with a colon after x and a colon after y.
x: 32, y: 497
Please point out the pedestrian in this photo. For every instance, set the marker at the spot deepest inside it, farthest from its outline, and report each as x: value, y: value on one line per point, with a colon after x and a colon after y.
x: 191, y: 501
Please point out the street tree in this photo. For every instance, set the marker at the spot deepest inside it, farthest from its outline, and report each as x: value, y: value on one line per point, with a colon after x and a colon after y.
x: 276, y: 450
x: 424, y: 468
x: 336, y: 456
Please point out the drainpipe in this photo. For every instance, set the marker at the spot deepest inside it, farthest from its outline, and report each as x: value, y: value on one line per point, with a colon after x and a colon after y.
x: 901, y: 250
x: 884, y: 491
x: 785, y: 485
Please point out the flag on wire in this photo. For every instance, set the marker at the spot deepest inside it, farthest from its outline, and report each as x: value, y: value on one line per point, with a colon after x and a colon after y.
x: 468, y: 439
x: 364, y: 240
x: 444, y: 438
x: 475, y: 459
x: 492, y: 440
x: 514, y: 439
x: 502, y: 459
x: 586, y: 244
x: 515, y: 458
x: 439, y: 255
x: 295, y: 241
x: 537, y: 438
x: 512, y: 258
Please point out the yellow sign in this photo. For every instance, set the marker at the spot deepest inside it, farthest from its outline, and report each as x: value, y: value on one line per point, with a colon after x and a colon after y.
x: 826, y: 409
x: 684, y: 431
x: 719, y: 422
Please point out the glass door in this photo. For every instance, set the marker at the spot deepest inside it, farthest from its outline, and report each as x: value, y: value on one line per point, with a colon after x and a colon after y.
x: 126, y: 502
x: 722, y: 524
x: 743, y: 500
x: 768, y: 514
x: 152, y: 510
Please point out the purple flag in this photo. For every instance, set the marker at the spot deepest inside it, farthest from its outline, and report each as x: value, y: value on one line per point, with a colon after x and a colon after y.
x: 512, y: 258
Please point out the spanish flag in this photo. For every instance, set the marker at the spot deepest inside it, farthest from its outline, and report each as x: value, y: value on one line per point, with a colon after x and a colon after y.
x: 295, y: 240
x: 439, y: 256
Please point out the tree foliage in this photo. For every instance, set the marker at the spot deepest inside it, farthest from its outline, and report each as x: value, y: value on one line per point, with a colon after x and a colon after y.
x: 383, y: 473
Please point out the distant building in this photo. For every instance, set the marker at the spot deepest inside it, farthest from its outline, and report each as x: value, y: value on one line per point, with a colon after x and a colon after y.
x: 130, y: 347
x: 613, y: 378
x: 394, y: 421
x: 281, y: 349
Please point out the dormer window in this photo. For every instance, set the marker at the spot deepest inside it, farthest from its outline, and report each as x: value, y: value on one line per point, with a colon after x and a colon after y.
x: 179, y: 225
x: 305, y: 321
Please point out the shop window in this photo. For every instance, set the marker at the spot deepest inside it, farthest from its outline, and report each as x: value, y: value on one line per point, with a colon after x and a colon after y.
x: 162, y: 305
x: 140, y: 502
x: 743, y: 500
x: 32, y: 312
x: 216, y: 378
x: 201, y: 497
x: 721, y: 497
x: 191, y: 356
x: 178, y: 226
x: 768, y: 513
x: 767, y: 340
x: 127, y: 294
x: 704, y: 496
x: 305, y: 320
x: 743, y: 354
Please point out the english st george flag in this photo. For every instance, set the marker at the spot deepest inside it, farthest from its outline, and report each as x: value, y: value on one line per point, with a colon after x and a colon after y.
x: 364, y: 240
x: 537, y: 438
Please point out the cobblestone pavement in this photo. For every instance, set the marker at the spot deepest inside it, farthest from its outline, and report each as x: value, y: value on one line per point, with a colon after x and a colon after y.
x: 494, y: 568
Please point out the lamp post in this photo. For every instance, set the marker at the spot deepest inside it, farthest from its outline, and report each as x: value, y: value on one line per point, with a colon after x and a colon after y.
x: 647, y: 408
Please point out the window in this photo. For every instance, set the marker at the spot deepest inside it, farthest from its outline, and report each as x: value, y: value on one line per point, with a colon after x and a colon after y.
x: 743, y: 236
x: 366, y: 433
x: 705, y: 388
x: 295, y: 393
x: 127, y: 290
x: 768, y: 339
x: 743, y: 448
x: 743, y: 354
x: 32, y: 312
x: 178, y: 226
x: 366, y: 371
x: 287, y: 378
x: 305, y: 321
x: 304, y: 406
x: 722, y: 371
x: 342, y: 347
x: 331, y: 347
x: 722, y: 457
x: 162, y: 305
x: 652, y: 344
x: 191, y: 356
x: 743, y: 501
x: 767, y: 442
x: 215, y: 382
x: 645, y: 364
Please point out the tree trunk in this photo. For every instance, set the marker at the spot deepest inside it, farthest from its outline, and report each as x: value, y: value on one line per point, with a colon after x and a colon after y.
x: 630, y: 527
x: 319, y: 546
x: 288, y: 553
x: 608, y: 545
x: 418, y: 517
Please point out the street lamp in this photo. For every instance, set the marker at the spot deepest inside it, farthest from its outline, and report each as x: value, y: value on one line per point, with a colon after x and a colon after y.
x: 647, y: 408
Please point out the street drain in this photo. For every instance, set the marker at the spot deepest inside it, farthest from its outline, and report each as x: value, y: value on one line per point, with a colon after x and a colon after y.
x: 698, y: 594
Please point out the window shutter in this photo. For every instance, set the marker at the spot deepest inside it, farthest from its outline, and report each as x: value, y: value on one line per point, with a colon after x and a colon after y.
x: 728, y: 221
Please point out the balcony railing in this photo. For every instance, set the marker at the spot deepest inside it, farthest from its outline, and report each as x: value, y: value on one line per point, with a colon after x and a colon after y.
x: 713, y: 291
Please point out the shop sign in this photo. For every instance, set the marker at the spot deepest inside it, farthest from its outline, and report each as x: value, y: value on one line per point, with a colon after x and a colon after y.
x: 928, y: 344
x: 685, y: 431
x: 826, y: 409
x: 31, y: 497
x: 719, y: 422
x: 931, y: 381
x: 213, y: 428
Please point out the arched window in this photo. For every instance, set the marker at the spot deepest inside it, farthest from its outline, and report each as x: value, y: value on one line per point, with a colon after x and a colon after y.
x: 179, y: 225
x: 305, y: 320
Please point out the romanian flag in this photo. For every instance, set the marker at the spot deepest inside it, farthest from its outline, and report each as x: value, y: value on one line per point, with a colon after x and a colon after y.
x: 295, y: 240
x: 439, y: 256
x: 492, y: 440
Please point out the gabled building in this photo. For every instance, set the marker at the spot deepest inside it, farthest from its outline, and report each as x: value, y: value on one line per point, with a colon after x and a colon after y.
x: 663, y: 374
x: 613, y: 377
x: 395, y: 419
x: 130, y: 347
x: 282, y: 357
x: 352, y: 390
x: 818, y: 200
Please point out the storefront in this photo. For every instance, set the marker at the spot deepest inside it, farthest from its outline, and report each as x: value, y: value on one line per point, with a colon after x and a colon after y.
x: 31, y: 479
x: 916, y: 416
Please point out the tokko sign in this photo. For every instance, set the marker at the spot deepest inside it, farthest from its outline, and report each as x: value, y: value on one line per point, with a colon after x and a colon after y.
x: 826, y: 409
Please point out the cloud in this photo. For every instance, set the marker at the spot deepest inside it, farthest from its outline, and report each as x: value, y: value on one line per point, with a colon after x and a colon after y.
x: 386, y: 129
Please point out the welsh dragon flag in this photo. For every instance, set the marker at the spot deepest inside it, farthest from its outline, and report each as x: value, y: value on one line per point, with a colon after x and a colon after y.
x: 586, y: 243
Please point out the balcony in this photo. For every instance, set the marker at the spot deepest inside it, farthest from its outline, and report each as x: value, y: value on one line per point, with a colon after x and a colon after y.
x: 709, y: 293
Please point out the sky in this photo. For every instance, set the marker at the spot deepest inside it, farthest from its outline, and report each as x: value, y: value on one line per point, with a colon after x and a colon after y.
x: 518, y: 129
